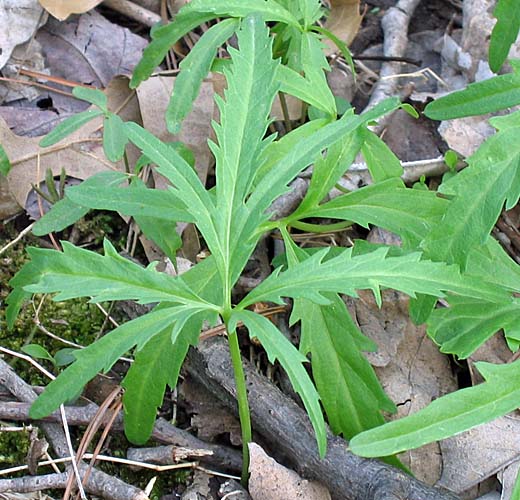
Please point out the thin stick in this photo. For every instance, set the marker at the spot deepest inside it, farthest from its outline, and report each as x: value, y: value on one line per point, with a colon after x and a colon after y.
x: 17, y: 239
x: 71, y: 452
x: 124, y: 461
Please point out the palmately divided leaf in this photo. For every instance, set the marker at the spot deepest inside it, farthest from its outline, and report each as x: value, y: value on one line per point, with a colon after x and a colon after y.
x: 65, y: 212
x: 305, y: 151
x: 279, y: 348
x: 346, y: 274
x: 326, y: 172
x: 505, y: 32
x: 194, y: 68
x: 410, y: 213
x: 156, y: 365
x: 101, y: 356
x: 76, y: 272
x: 448, y: 415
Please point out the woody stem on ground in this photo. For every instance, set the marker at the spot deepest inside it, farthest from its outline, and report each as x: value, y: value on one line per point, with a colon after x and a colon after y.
x: 243, y: 405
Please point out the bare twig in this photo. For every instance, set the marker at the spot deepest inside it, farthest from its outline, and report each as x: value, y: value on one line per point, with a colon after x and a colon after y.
x: 134, y: 11
x: 395, y: 29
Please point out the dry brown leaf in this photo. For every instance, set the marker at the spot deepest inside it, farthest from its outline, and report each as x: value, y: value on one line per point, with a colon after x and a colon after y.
x: 410, y: 367
x: 154, y: 95
x: 271, y: 481
x: 61, y: 9
x: 479, y: 453
x: 343, y: 21
x: 81, y: 154
x: 19, y: 21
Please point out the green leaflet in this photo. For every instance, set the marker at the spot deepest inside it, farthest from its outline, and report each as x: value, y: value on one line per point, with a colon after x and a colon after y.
x: 381, y: 161
x: 292, y: 83
x: 346, y: 273
x: 5, y: 164
x: 114, y: 137
x: 326, y: 172
x: 504, y: 33
x: 480, y: 191
x: 244, y: 117
x: 349, y: 389
x: 448, y: 415
x: 515, y: 495
x: 194, y: 68
x: 101, y: 356
x: 305, y: 151
x: 94, y: 96
x: 163, y: 38
x: 314, y: 64
x: 62, y: 215
x: 467, y: 323
x: 279, y: 348
x: 273, y: 151
x: 410, y: 213
x: 187, y: 186
x: 81, y: 273
x: 499, y: 92
x: 162, y: 232
x: 157, y: 364
x: 68, y: 126
x: 134, y: 200
x: 270, y: 10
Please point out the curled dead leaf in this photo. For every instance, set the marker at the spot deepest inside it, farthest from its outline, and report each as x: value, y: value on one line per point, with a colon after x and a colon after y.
x: 61, y: 9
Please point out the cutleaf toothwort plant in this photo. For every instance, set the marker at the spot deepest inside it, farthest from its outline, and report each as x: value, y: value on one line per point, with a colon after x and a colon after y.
x: 252, y: 170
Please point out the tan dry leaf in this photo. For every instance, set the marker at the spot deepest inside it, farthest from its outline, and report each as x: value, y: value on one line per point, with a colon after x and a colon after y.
x: 19, y: 21
x: 343, y: 21
x: 271, y: 481
x: 61, y: 9
x: 81, y: 154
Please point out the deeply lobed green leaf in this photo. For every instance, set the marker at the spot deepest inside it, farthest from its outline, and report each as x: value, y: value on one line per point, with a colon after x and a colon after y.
x: 346, y: 273
x: 76, y: 272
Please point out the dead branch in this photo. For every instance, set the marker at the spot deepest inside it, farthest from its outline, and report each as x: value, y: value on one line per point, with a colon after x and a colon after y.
x: 221, y: 457
x: 395, y: 29
x: 98, y: 483
x: 134, y: 11
x: 286, y: 426
x: 28, y: 484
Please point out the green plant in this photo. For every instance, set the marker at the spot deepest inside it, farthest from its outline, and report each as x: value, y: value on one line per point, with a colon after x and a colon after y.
x: 252, y: 170
x: 478, y: 194
x: 63, y: 357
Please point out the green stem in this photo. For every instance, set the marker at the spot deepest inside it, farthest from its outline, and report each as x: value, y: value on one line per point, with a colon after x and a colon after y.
x: 243, y: 405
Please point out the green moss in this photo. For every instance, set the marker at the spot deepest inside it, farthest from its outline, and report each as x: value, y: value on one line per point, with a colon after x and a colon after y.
x: 13, y: 448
